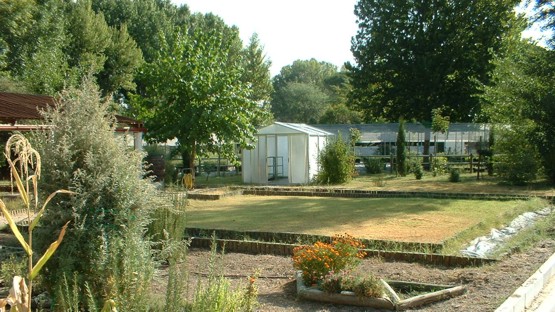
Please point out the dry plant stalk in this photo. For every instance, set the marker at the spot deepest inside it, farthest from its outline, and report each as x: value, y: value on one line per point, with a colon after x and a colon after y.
x: 25, y: 167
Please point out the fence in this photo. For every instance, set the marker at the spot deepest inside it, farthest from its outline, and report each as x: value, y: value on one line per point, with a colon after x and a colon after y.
x: 468, y: 163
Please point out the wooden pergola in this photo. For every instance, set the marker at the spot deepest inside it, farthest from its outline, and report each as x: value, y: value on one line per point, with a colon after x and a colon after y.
x: 16, y: 110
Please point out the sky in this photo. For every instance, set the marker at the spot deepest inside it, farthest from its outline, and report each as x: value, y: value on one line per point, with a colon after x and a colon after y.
x: 289, y: 30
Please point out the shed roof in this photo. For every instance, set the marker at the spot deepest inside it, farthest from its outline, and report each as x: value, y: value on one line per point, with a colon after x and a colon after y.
x: 292, y: 128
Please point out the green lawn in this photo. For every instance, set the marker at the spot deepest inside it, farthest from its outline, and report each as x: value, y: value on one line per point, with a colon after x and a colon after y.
x: 408, y: 220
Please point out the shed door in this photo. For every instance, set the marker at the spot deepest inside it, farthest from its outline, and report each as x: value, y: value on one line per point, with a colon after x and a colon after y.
x: 298, y: 159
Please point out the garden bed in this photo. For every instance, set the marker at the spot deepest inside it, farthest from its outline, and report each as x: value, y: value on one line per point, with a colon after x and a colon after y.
x: 487, y: 286
x: 415, y: 295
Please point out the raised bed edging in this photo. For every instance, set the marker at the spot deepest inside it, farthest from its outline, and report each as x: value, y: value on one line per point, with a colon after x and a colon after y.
x: 351, y: 193
x: 288, y: 238
x: 282, y: 249
x: 390, y: 302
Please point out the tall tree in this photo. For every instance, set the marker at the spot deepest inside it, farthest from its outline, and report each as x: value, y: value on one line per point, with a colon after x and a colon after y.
x: 520, y: 101
x: 415, y: 55
x: 193, y: 94
x: 47, y: 68
x: 300, y: 91
x: 401, y: 150
x: 299, y: 102
x: 305, y: 71
x: 108, y: 52
x: 148, y: 21
x: 257, y: 75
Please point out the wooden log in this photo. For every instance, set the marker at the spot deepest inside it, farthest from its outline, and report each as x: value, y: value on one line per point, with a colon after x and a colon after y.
x: 392, y: 294
x: 429, y: 298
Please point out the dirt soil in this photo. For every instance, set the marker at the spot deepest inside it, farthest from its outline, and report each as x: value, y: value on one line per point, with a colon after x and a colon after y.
x: 487, y: 286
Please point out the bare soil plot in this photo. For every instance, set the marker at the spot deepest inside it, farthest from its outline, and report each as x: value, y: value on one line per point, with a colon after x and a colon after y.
x: 487, y: 287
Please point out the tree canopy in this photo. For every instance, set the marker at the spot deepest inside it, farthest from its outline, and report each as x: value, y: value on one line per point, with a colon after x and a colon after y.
x: 519, y: 103
x: 416, y: 55
x: 194, y: 93
x: 307, y: 90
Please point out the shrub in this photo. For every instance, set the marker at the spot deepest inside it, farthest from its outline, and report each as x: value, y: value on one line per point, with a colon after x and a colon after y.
x: 333, y: 281
x: 320, y: 259
x: 516, y: 159
x: 364, y: 286
x: 454, y: 175
x: 218, y: 295
x: 169, y: 220
x: 373, y: 165
x: 439, y: 165
x: 415, y: 167
x: 337, y: 163
x: 110, y: 211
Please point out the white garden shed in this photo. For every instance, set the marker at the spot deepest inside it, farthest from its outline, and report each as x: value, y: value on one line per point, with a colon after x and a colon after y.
x: 284, y: 153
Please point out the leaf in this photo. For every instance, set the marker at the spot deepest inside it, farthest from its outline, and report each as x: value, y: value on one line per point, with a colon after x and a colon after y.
x: 18, y: 297
x: 41, y: 211
x: 19, y: 183
x: 14, y: 228
x: 34, y: 179
x: 49, y: 252
x: 109, y: 306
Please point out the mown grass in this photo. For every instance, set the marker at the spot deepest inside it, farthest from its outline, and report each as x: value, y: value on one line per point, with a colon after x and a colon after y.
x: 453, y: 222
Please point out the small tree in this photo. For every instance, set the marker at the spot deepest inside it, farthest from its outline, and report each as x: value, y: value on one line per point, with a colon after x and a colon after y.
x: 337, y: 163
x: 401, y: 150
x: 440, y: 124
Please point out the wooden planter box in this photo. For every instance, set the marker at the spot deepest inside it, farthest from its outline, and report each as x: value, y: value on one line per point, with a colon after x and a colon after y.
x: 391, y: 301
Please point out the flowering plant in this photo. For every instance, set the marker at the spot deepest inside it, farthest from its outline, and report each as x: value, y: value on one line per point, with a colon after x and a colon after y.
x: 318, y: 260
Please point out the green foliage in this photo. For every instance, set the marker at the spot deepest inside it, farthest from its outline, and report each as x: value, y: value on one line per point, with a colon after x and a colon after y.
x: 520, y: 102
x: 373, y: 165
x: 145, y: 20
x: 354, y: 136
x: 439, y: 165
x: 340, y: 114
x: 454, y: 175
x: 12, y: 266
x: 111, y: 209
x: 257, y: 75
x: 516, y: 159
x: 409, y: 59
x: 401, y: 150
x: 365, y: 286
x: 440, y: 123
x: 299, y: 102
x: 218, y: 295
x: 303, y: 91
x: 169, y: 219
x: 415, y: 167
x: 52, y: 44
x: 337, y: 163
x: 210, y: 108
